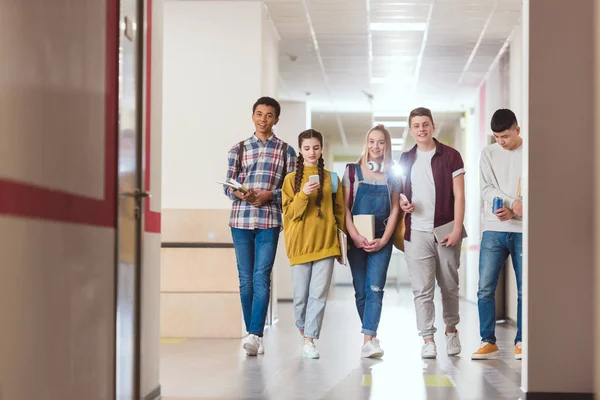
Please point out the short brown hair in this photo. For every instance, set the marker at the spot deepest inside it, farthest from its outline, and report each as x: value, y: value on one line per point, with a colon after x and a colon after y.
x: 420, y: 112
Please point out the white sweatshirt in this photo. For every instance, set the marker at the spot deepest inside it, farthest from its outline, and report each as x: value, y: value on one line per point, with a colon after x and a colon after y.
x: 500, y: 173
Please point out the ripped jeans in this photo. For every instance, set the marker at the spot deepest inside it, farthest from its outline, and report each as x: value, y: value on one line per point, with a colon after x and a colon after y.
x: 369, y: 273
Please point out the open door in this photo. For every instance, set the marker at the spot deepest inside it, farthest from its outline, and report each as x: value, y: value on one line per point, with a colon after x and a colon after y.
x: 130, y: 197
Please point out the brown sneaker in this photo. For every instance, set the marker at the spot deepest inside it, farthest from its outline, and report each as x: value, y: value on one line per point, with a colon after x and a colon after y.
x: 519, y: 351
x: 486, y: 350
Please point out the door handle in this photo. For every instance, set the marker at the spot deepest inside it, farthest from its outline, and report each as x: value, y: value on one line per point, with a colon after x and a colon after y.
x: 138, y: 194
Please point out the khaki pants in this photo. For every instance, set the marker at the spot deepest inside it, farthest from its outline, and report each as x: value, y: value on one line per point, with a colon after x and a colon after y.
x: 428, y: 260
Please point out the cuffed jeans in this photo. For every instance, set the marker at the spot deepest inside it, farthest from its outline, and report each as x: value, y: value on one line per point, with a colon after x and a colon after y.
x: 311, y: 284
x: 369, y: 273
x: 255, y: 253
x: 495, y: 249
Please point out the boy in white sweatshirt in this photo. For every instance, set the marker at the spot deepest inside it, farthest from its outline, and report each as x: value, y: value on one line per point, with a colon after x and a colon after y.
x: 501, y: 168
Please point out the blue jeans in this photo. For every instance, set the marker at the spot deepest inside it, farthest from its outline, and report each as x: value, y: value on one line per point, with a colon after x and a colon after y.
x: 495, y: 249
x: 369, y: 270
x: 255, y: 253
x: 369, y: 273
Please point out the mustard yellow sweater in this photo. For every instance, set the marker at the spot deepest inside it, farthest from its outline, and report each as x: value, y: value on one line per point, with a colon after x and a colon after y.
x: 309, y: 237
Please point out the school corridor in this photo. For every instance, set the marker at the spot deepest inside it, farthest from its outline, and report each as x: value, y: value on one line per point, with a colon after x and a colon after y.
x: 217, y: 369
x: 119, y: 120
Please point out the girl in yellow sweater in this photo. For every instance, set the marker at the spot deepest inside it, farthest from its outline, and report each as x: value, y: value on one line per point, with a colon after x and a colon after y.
x: 313, y: 210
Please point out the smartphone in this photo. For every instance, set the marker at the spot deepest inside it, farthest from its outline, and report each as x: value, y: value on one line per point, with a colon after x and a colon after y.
x: 313, y: 179
x: 403, y: 197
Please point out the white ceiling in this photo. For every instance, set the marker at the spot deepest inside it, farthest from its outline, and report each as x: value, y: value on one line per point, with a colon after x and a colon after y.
x: 341, y: 62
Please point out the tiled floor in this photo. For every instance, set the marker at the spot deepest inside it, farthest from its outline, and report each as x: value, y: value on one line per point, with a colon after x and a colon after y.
x: 218, y: 369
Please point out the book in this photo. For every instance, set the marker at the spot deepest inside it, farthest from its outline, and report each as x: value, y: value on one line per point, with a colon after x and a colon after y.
x: 235, y: 185
x: 442, y: 231
x: 343, y: 240
x: 365, y: 225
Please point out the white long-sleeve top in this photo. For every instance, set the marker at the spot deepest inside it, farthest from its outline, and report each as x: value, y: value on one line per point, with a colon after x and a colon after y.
x: 500, y: 173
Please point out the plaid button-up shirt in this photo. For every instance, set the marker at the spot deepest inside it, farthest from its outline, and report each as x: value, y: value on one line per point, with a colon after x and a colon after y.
x: 262, y: 169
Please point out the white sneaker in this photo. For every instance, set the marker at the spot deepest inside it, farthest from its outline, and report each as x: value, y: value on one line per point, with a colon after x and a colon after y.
x: 310, y: 351
x: 372, y: 349
x: 250, y: 344
x: 261, y: 346
x: 453, y: 346
x: 429, y: 350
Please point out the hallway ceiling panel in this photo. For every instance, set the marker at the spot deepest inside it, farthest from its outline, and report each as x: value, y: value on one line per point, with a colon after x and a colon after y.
x: 359, y: 56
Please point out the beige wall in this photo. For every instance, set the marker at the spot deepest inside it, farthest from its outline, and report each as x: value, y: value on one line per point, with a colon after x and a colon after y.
x: 56, y: 310
x: 559, y: 205
x: 208, y: 102
x: 199, y: 286
x: 208, y: 98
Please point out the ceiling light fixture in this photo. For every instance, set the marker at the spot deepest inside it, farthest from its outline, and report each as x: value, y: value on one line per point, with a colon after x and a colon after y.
x: 390, y: 114
x: 398, y: 26
x: 392, y: 124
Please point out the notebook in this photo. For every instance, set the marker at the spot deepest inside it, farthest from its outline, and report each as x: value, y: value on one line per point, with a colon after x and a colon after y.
x: 343, y: 240
x: 442, y: 231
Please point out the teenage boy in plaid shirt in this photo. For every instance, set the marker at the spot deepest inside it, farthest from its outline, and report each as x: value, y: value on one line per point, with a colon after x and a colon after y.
x: 259, y: 163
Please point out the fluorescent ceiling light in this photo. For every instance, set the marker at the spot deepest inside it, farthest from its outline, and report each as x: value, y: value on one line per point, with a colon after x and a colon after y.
x: 398, y: 26
x: 392, y: 124
x: 391, y: 80
x: 389, y: 114
x: 397, y: 141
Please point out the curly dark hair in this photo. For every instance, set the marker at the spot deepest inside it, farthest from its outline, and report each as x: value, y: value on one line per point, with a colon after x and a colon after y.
x: 308, y: 134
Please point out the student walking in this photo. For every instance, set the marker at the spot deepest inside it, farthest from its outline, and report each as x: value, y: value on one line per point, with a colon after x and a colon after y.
x: 313, y: 210
x: 434, y: 197
x: 501, y: 168
x: 260, y: 164
x: 368, y: 189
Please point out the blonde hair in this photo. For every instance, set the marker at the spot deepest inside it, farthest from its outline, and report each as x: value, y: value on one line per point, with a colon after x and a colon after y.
x: 387, y: 154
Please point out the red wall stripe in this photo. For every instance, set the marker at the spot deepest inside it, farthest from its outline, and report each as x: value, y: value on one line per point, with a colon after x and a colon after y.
x: 26, y: 200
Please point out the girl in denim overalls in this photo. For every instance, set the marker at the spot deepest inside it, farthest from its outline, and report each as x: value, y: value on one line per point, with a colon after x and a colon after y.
x: 369, y: 190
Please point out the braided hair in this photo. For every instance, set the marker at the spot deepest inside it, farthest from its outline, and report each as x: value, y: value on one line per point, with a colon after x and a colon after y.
x: 308, y: 134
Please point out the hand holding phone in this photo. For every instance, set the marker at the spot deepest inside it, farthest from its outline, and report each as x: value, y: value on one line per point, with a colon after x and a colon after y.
x: 405, y: 204
x: 311, y: 185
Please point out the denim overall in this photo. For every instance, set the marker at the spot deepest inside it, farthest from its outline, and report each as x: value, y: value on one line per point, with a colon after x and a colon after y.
x: 369, y: 270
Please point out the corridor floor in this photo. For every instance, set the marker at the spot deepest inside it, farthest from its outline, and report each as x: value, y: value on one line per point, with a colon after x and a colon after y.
x: 219, y: 370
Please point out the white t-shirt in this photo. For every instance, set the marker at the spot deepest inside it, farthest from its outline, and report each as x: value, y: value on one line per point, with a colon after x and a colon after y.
x: 423, y: 192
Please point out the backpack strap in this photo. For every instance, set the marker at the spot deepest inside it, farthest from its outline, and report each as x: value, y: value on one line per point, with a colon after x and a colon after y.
x: 352, y: 177
x: 334, y: 181
x: 334, y: 185
x: 240, y: 155
x: 285, y: 166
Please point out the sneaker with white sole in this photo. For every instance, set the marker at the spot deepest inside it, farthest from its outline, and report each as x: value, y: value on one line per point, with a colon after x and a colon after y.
x: 372, y: 349
x: 486, y: 351
x: 429, y: 350
x: 310, y: 351
x: 261, y: 346
x: 519, y: 351
x: 453, y: 346
x: 251, y: 344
